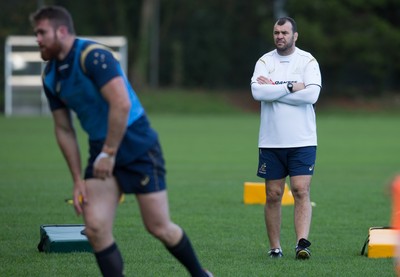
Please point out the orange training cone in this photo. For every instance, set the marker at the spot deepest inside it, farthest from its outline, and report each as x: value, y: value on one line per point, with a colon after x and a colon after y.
x: 396, y: 217
x: 396, y: 203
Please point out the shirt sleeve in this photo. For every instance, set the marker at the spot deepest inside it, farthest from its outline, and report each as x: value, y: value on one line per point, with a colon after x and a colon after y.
x: 308, y: 95
x: 312, y: 82
x: 265, y: 92
x: 53, y: 101
x: 312, y: 74
x: 101, y: 65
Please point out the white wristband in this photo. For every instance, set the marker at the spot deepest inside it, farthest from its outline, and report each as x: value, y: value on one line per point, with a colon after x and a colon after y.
x: 101, y: 156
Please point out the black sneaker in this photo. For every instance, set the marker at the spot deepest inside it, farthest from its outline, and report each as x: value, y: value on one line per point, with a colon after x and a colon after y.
x: 302, y: 251
x: 275, y: 253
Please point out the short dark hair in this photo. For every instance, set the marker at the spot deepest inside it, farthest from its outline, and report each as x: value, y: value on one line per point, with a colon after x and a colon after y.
x: 57, y: 15
x: 285, y: 19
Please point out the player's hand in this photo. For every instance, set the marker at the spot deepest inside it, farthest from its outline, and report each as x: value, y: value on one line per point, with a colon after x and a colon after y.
x: 262, y: 80
x: 80, y: 197
x: 103, y: 166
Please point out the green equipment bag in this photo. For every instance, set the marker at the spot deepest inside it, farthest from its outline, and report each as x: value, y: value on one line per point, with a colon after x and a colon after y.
x: 63, y: 238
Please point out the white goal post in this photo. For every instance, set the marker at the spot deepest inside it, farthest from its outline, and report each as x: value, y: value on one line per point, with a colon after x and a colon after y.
x: 23, y: 93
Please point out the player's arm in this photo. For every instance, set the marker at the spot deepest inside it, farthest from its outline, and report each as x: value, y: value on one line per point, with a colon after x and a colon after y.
x: 262, y: 88
x: 115, y: 93
x: 67, y: 141
x: 104, y: 70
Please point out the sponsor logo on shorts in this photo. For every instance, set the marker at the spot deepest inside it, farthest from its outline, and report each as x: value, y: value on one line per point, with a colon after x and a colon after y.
x: 263, y: 169
x: 311, y: 168
x: 145, y: 181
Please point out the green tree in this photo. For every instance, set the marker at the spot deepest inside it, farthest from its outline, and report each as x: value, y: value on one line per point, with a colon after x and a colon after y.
x: 215, y: 43
x: 354, y: 41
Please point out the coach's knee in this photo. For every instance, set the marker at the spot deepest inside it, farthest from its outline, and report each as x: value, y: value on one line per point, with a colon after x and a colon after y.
x: 274, y: 196
x: 300, y: 193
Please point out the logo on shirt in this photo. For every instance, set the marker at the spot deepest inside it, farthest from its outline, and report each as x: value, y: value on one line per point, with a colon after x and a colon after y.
x: 284, y: 82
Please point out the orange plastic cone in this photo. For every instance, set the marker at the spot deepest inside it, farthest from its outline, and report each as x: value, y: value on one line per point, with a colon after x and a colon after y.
x: 396, y: 203
x: 396, y: 217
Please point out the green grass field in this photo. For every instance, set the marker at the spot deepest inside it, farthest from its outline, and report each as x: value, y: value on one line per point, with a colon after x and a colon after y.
x: 209, y: 157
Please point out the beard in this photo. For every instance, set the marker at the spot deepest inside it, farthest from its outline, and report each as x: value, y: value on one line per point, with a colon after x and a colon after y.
x: 285, y: 47
x: 51, y: 51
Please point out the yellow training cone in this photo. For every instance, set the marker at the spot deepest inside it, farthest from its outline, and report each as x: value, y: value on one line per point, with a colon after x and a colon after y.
x: 254, y: 193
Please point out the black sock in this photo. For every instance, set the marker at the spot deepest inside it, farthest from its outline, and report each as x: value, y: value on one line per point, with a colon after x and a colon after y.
x: 184, y: 253
x: 110, y: 261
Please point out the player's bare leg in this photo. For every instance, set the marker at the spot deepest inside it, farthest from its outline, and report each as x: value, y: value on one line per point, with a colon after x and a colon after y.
x: 99, y: 212
x: 155, y: 214
x: 274, y: 191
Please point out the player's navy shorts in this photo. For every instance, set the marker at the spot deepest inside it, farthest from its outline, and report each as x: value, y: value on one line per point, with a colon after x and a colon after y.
x: 277, y: 163
x: 145, y: 174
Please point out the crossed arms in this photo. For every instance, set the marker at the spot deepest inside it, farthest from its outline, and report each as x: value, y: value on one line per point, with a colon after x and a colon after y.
x: 269, y: 92
x: 305, y: 92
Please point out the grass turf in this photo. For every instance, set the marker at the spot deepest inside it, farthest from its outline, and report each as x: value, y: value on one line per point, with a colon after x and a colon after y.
x: 209, y: 157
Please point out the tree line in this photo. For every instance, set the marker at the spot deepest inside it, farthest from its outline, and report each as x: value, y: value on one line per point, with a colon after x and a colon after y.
x: 216, y: 43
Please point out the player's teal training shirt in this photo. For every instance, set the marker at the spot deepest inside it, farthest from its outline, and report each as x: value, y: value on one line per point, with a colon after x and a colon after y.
x: 75, y: 84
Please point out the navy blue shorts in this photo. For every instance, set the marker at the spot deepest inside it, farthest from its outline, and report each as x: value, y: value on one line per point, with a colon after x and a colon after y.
x: 277, y: 163
x: 145, y: 174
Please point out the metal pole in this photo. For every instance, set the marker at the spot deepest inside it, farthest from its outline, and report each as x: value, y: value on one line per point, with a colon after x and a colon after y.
x: 155, y: 45
x: 279, y: 8
x: 8, y: 73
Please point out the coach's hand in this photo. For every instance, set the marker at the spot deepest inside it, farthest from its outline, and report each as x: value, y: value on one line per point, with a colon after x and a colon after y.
x: 262, y: 80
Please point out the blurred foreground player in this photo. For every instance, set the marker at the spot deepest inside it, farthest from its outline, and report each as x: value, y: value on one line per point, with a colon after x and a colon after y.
x: 125, y: 156
x: 395, y: 192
